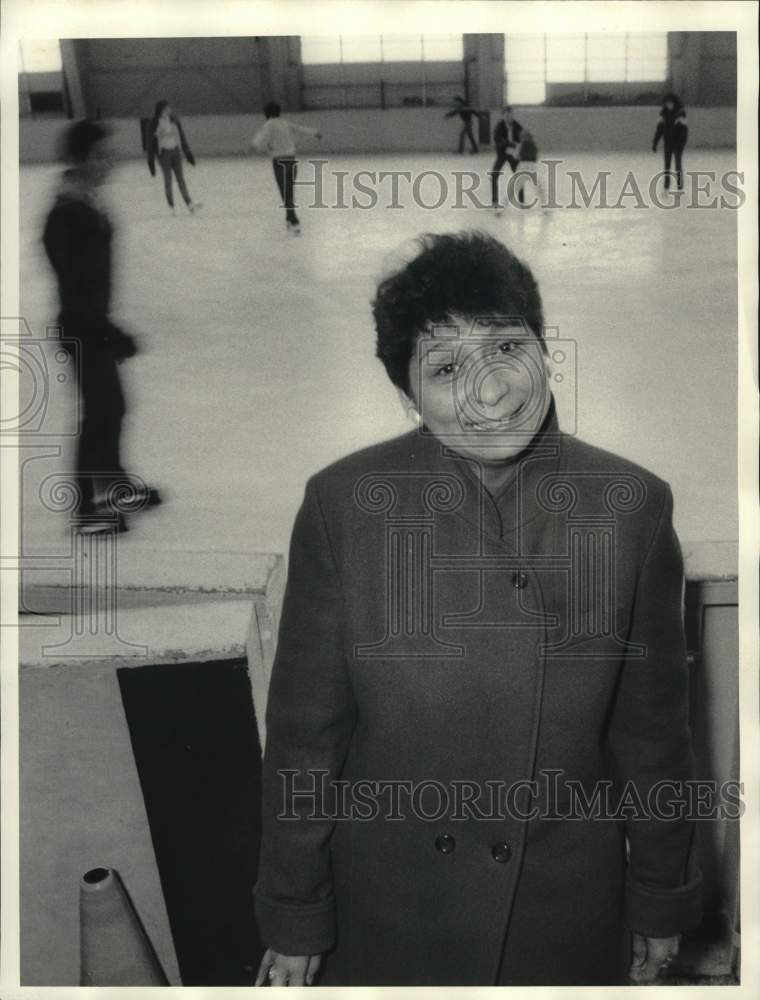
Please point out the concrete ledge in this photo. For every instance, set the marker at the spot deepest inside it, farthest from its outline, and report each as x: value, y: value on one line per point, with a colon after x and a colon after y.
x: 710, y: 561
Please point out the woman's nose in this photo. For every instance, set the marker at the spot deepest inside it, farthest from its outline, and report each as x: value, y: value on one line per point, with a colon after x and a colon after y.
x: 495, y: 385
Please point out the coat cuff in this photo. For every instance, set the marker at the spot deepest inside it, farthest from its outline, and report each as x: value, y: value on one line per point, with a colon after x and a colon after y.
x: 658, y: 912
x: 295, y: 928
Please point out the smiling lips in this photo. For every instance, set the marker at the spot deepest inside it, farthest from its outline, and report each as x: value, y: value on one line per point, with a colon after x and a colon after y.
x: 495, y: 424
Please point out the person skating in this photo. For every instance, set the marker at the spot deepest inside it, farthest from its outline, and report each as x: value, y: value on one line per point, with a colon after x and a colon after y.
x: 506, y: 139
x: 275, y: 138
x: 78, y: 238
x: 673, y: 130
x: 465, y: 113
x: 167, y: 143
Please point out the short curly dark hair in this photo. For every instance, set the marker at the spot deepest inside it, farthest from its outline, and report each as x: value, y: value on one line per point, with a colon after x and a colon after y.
x: 466, y: 274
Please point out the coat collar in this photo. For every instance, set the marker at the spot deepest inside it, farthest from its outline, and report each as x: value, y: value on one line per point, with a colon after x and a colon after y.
x: 516, y: 504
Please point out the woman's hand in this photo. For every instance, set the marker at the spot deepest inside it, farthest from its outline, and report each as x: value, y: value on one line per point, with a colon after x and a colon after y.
x: 287, y: 970
x: 651, y: 956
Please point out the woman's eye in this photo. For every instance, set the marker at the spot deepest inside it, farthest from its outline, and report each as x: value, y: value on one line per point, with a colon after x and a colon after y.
x: 446, y: 370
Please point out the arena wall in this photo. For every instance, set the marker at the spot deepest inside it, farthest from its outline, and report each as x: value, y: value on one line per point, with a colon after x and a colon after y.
x: 399, y: 130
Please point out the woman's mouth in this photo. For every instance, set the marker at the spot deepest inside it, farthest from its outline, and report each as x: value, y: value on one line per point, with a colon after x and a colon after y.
x: 494, y: 423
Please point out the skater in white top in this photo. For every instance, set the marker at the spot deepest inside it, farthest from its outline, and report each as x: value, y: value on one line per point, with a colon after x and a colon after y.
x: 275, y: 138
x: 167, y: 143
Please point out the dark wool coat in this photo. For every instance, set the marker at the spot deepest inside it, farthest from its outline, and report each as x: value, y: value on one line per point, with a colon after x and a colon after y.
x: 432, y: 633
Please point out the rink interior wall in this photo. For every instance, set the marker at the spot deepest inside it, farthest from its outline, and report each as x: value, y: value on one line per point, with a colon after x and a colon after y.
x: 400, y: 130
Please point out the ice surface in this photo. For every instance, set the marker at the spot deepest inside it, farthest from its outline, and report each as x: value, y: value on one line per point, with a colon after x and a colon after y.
x: 257, y: 365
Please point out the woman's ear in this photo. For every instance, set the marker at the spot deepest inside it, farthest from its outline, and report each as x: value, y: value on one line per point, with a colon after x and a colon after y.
x: 410, y: 407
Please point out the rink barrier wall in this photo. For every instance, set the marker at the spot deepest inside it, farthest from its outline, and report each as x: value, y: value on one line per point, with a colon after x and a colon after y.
x: 404, y: 130
x: 81, y: 801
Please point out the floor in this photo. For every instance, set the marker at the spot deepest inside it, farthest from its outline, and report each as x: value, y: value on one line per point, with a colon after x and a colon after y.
x: 257, y: 357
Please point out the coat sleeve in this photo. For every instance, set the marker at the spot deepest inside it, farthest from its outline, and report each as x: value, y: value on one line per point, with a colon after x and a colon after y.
x: 310, y: 718
x: 651, y: 741
x: 658, y: 133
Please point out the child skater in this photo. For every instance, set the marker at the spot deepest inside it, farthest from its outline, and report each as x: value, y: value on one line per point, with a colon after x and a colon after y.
x: 465, y: 113
x: 506, y: 138
x: 527, y: 155
x: 673, y: 129
x: 275, y: 138
x: 166, y: 138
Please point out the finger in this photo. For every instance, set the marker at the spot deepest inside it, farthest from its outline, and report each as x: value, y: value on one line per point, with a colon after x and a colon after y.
x: 639, y: 948
x: 266, y: 961
x: 278, y: 975
x: 646, y: 972
x: 295, y: 976
x: 662, y: 950
x: 312, y: 968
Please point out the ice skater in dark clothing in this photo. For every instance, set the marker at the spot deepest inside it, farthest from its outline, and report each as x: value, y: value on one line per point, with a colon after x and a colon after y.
x: 465, y: 112
x: 77, y: 239
x: 275, y: 138
x: 167, y: 143
x: 673, y: 129
x: 506, y: 140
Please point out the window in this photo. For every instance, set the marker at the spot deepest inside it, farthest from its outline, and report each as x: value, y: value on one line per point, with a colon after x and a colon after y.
x: 537, y: 67
x: 381, y: 71
x: 325, y: 49
x: 525, y: 64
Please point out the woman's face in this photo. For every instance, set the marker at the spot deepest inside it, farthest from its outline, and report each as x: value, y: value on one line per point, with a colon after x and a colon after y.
x: 166, y: 113
x: 482, y: 387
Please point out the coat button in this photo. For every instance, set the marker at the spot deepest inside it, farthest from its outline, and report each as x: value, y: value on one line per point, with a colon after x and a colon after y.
x: 519, y: 580
x: 445, y: 843
x: 501, y: 853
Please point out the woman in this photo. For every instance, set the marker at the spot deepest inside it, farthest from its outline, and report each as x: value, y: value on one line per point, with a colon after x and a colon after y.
x: 673, y: 129
x: 166, y: 138
x: 482, y: 618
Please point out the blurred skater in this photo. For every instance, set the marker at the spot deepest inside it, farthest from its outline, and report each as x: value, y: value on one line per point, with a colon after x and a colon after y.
x: 166, y: 143
x: 673, y: 129
x: 275, y: 138
x: 77, y: 238
x: 506, y: 139
x: 465, y: 113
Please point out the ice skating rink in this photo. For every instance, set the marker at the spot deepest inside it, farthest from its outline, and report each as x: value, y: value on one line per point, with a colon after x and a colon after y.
x: 257, y: 349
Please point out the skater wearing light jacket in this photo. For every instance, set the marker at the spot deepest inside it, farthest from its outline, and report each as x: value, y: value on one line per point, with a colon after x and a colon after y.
x: 275, y: 138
